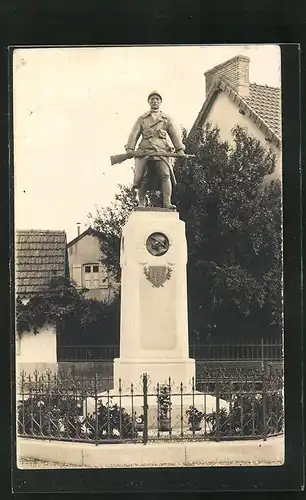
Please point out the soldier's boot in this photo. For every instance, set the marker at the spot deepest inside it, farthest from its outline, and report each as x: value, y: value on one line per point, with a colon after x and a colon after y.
x: 167, y: 191
x: 142, y: 196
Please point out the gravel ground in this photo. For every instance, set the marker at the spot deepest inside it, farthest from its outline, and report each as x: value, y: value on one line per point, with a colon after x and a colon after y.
x: 29, y: 463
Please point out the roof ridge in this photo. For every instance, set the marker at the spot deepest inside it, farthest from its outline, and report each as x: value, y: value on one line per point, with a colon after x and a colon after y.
x: 265, y: 86
x: 40, y: 231
x: 229, y: 83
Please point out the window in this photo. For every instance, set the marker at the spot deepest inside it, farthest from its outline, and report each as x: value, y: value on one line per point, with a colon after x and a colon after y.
x: 94, y: 277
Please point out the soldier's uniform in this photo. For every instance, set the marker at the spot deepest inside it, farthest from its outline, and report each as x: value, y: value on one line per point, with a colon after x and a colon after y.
x: 155, y: 128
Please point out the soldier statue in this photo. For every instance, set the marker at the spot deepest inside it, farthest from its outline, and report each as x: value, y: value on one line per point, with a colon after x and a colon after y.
x: 154, y: 171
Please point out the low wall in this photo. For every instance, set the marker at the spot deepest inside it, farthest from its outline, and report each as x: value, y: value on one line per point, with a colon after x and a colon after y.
x: 37, y: 348
x: 88, y: 369
x: 249, y: 452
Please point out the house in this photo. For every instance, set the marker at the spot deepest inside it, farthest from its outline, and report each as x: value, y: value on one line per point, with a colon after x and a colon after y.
x: 232, y: 100
x: 85, y: 267
x: 39, y: 257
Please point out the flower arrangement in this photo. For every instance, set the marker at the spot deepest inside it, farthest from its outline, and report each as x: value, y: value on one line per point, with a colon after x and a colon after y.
x: 164, y: 405
x: 139, y: 422
x: 195, y: 418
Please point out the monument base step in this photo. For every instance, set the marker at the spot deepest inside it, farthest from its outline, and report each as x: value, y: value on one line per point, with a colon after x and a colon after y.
x: 134, y: 403
x: 130, y: 371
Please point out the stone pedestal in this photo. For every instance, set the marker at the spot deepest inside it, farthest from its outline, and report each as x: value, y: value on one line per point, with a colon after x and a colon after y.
x: 154, y: 320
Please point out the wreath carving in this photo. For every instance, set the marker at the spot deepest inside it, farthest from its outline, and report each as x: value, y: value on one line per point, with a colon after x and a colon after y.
x: 158, y: 275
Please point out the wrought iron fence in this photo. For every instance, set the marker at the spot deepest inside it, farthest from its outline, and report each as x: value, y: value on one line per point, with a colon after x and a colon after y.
x: 219, y: 406
x: 87, y: 353
x: 232, y: 351
x: 237, y: 351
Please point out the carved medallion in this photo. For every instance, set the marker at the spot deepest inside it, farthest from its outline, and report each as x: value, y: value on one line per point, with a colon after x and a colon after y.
x: 158, y: 274
x: 157, y: 244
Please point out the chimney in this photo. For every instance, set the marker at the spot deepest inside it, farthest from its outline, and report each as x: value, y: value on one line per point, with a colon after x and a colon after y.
x: 235, y: 71
x: 79, y: 228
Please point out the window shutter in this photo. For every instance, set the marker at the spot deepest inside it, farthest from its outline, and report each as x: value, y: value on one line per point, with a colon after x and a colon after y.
x: 95, y: 276
x: 77, y: 275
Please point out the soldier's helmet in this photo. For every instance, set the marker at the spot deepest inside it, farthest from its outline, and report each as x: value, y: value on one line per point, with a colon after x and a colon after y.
x: 154, y: 92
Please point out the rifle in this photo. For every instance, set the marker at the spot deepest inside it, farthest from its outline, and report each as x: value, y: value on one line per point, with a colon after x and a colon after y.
x: 121, y: 158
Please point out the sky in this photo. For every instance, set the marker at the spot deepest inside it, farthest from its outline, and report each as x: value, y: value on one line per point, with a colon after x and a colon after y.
x: 74, y: 107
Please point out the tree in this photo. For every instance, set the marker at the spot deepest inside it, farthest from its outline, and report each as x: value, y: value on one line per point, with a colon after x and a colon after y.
x: 233, y: 225
x: 109, y: 222
x: 233, y: 229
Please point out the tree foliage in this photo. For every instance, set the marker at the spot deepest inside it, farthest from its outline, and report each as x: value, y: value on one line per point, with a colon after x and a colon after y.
x: 109, y: 222
x: 233, y: 229
x: 75, y: 316
x: 233, y: 226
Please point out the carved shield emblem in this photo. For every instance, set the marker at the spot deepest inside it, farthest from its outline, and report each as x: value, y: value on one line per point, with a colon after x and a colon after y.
x: 157, y: 274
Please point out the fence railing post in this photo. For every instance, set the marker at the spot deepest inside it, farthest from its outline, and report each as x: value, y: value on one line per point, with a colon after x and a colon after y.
x: 145, y: 408
x: 132, y: 409
x: 264, y: 403
x: 217, y: 388
x: 170, y: 406
x: 193, y: 407
x: 182, y: 408
x: 120, y: 407
x: 96, y: 411
x: 158, y: 409
x: 21, y: 389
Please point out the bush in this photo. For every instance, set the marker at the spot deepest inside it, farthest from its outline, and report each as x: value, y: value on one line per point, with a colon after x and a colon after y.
x: 163, y: 401
x: 247, y: 416
x: 50, y: 415
x: 112, y: 422
x: 61, y: 416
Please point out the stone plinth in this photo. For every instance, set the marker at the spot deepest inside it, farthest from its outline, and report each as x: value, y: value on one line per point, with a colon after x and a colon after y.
x: 179, y: 404
x: 154, y: 319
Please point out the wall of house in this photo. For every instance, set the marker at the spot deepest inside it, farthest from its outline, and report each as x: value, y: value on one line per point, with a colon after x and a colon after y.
x: 37, y: 352
x: 225, y: 114
x: 86, y: 251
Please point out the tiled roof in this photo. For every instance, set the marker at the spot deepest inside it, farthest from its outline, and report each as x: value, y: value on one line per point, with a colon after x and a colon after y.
x: 39, y: 257
x: 266, y: 102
